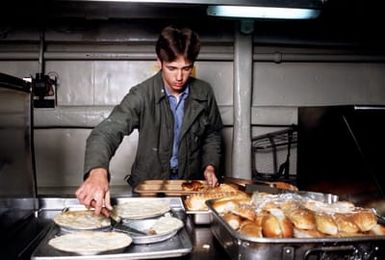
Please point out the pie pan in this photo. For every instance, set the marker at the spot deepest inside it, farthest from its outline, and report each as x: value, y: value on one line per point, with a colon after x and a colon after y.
x: 144, y: 225
x: 72, y: 225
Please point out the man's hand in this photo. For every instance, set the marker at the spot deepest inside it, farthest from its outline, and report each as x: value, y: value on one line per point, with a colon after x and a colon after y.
x: 210, y: 176
x: 94, y: 192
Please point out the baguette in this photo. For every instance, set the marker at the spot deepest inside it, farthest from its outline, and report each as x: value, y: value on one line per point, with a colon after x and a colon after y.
x: 345, y: 223
x: 302, y: 218
x: 325, y: 224
x: 365, y: 219
x: 307, y: 233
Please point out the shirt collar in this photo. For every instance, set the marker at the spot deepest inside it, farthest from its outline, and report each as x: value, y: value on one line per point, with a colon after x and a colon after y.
x: 184, y: 93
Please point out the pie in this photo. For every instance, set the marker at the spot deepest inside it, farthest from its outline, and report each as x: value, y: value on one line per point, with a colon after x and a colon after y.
x: 81, y: 219
x: 165, y: 225
x: 90, y: 242
x: 141, y: 209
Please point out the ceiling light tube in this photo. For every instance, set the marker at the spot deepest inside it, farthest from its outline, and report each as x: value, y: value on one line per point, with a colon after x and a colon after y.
x: 262, y: 12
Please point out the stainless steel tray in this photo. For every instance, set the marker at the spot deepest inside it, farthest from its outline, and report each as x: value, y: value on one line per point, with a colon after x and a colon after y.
x: 200, y: 217
x: 242, y: 247
x: 178, y: 245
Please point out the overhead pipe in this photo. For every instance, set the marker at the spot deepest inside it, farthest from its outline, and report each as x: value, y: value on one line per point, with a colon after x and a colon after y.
x: 276, y: 57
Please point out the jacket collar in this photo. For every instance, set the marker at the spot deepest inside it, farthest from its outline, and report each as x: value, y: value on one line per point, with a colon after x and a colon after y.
x: 160, y: 93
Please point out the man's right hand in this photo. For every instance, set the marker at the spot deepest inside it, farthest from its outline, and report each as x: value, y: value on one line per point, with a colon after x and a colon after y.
x: 94, y: 192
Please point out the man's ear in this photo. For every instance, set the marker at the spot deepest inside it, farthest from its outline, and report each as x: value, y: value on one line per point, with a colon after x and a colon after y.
x: 159, y: 63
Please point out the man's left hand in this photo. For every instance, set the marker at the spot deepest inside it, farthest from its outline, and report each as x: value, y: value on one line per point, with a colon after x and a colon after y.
x: 210, y: 176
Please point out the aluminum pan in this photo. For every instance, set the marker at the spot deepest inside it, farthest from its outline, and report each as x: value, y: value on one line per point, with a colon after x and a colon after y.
x: 178, y: 245
x: 243, y: 247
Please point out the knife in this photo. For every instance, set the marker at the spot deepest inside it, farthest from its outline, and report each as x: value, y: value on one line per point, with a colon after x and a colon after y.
x: 262, y: 188
x: 116, y: 223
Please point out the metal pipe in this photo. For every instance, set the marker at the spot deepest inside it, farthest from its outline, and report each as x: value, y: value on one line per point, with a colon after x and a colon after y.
x: 243, y: 72
x: 41, y: 52
x: 277, y: 57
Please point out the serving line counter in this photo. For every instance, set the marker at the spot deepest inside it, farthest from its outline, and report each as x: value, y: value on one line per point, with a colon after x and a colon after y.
x: 28, y: 233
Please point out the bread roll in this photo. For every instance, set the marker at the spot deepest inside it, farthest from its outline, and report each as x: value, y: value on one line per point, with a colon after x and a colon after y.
x: 365, y: 219
x: 289, y: 205
x: 285, y: 224
x: 276, y: 225
x: 198, y: 201
x: 271, y: 227
x: 346, y: 234
x: 284, y: 186
x: 260, y: 216
x: 345, y: 224
x: 250, y: 229
x: 245, y: 211
x: 233, y: 220
x: 225, y: 205
x: 325, y: 224
x: 302, y: 218
x: 192, y: 185
x: 378, y: 230
x: 307, y: 233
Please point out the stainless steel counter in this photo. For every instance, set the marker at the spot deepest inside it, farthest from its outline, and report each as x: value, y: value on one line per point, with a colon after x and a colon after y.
x: 204, y: 244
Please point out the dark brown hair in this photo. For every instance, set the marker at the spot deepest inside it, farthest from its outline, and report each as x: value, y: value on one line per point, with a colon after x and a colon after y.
x: 175, y: 41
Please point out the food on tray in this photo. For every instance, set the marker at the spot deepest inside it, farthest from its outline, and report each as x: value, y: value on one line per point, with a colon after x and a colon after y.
x: 165, y: 225
x: 307, y: 233
x: 198, y: 201
x: 292, y: 215
x: 227, y: 204
x: 325, y: 224
x: 301, y: 218
x: 245, y: 211
x: 233, y: 220
x: 345, y: 223
x: 276, y: 224
x: 81, y: 219
x: 90, y: 242
x: 193, y: 185
x: 170, y: 187
x: 378, y: 230
x: 365, y: 219
x: 141, y: 209
x: 284, y: 186
x: 251, y: 229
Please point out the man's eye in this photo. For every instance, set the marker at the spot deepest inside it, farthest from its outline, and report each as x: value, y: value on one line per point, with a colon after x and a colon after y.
x: 171, y: 68
x: 187, y: 69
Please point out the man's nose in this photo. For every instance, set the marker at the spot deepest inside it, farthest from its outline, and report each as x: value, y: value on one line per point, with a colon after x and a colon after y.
x: 179, y: 75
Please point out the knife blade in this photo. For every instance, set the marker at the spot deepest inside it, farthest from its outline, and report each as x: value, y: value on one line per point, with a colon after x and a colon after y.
x: 262, y: 188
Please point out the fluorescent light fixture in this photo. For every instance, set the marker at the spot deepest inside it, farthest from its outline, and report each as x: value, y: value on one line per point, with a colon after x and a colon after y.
x: 262, y: 12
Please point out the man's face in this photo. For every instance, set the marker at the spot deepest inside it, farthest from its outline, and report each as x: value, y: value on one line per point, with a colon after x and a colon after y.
x: 176, y: 73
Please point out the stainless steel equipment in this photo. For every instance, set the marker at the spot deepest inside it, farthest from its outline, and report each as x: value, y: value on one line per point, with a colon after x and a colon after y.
x: 18, y: 202
x: 242, y: 247
x: 178, y: 245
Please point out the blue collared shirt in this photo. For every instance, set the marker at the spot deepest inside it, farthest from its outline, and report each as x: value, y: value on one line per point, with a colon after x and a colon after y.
x: 177, y: 108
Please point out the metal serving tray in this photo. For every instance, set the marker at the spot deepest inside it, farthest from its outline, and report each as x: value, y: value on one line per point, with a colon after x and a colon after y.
x: 242, y: 247
x: 200, y: 217
x: 176, y: 246
x: 164, y: 187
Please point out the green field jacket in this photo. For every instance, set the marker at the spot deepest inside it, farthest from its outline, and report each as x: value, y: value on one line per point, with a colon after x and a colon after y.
x: 147, y: 109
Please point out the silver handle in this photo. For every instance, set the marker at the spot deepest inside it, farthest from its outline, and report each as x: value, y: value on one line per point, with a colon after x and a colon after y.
x: 330, y: 249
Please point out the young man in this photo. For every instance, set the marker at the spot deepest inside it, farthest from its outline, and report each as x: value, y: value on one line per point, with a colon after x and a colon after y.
x: 177, y: 118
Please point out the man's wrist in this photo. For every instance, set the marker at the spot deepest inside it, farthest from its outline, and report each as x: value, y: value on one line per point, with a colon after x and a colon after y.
x: 99, y: 172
